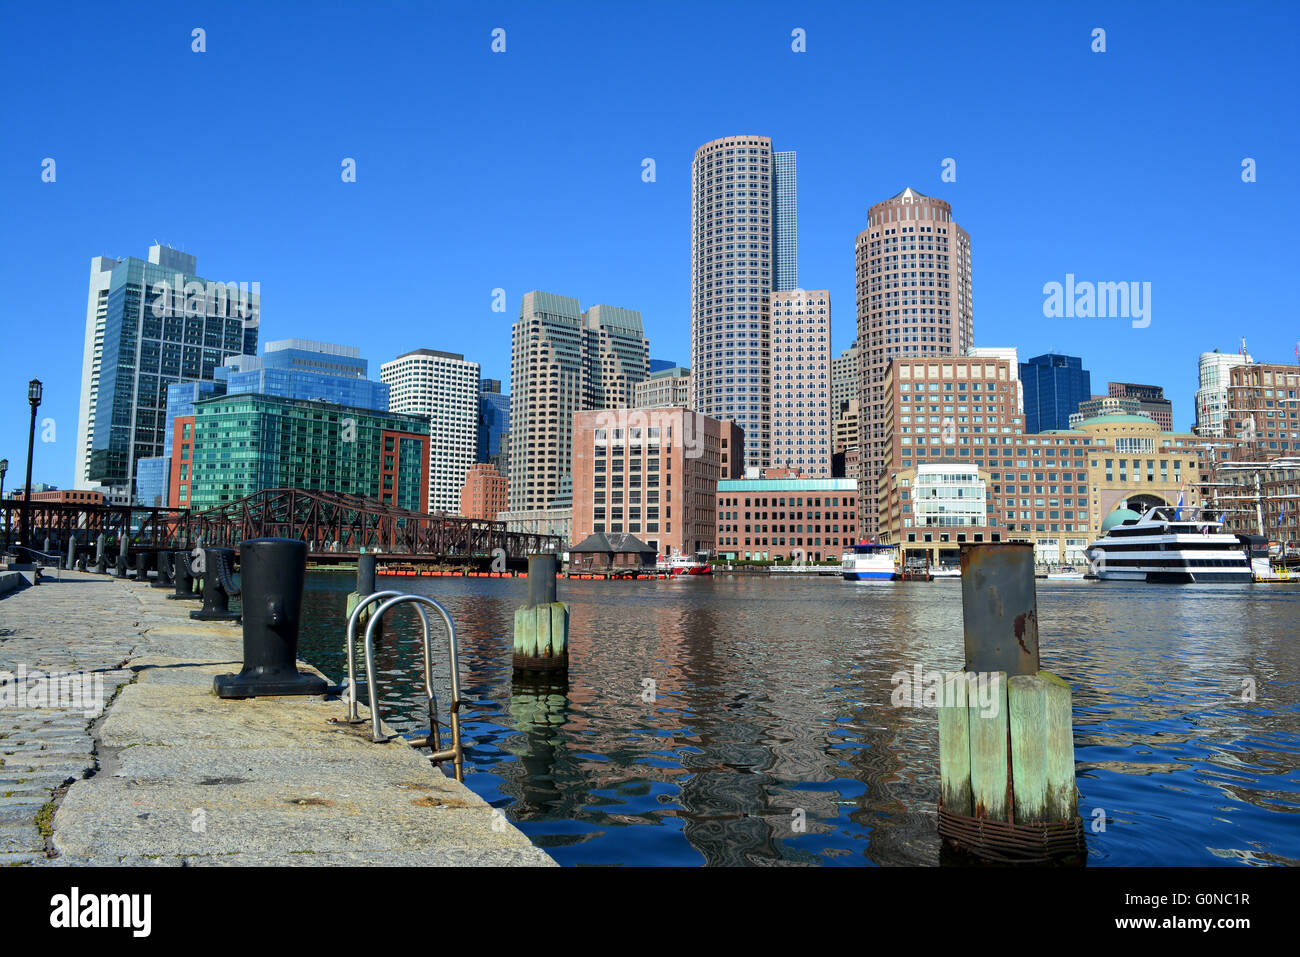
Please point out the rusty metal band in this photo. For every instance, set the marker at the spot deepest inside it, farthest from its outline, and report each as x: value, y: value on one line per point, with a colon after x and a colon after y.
x: 529, y: 663
x: 1006, y: 843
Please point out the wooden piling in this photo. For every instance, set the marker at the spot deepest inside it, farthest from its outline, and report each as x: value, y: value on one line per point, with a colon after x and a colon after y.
x: 988, y: 754
x: 954, y: 745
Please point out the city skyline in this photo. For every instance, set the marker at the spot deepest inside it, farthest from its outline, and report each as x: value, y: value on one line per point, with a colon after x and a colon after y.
x: 1097, y: 197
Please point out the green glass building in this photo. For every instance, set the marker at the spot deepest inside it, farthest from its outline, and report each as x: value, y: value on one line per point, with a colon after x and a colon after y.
x: 245, y: 443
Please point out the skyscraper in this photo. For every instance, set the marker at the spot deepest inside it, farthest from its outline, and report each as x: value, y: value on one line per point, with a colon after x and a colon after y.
x: 441, y: 387
x: 1054, y: 386
x: 564, y: 361
x: 914, y: 302
x: 149, y: 324
x: 801, y: 381
x: 310, y: 370
x: 844, y: 379
x: 744, y: 245
x: 1212, y: 393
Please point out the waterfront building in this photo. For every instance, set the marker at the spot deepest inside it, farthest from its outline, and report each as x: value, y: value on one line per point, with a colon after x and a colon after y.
x: 783, y: 515
x: 443, y: 389
x: 1011, y: 354
x: 1108, y: 405
x: 1054, y: 385
x: 1051, y: 488
x: 484, y: 492
x: 744, y: 246
x: 149, y: 324
x: 914, y: 300
x: 1212, y: 390
x: 237, y: 445
x: 652, y: 473
x: 1151, y: 400
x: 1263, y: 413
x: 664, y: 389
x: 564, y: 361
x: 844, y: 379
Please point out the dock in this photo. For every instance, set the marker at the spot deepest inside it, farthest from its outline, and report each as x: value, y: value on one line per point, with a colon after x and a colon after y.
x: 162, y: 772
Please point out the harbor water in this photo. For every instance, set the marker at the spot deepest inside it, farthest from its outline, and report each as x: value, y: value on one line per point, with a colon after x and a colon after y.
x: 749, y: 721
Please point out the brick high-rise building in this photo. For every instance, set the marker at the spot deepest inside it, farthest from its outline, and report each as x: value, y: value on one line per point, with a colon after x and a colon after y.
x: 483, y: 496
x: 744, y: 245
x: 914, y: 302
x: 801, y: 381
x: 564, y: 361
x: 1151, y: 399
x: 652, y: 473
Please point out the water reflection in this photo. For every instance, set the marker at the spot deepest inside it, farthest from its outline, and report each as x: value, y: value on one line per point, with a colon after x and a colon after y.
x: 767, y: 736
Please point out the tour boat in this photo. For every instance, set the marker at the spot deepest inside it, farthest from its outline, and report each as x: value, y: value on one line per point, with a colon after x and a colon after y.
x: 1163, y: 547
x: 869, y: 562
x: 683, y: 565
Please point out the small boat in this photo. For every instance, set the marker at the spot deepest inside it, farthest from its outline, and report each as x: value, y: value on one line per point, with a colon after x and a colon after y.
x: 1064, y: 573
x: 869, y: 561
x: 946, y: 571
x: 683, y: 565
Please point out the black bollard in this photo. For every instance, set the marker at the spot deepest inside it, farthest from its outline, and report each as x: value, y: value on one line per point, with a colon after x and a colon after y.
x: 274, y: 571
x: 71, y: 563
x: 217, y: 563
x: 101, y: 561
x: 164, y: 563
x: 184, y: 580
x: 366, y: 575
x: 143, y: 562
x: 123, y: 556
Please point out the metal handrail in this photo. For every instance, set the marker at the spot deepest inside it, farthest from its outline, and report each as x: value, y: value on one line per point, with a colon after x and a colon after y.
x: 392, y: 599
x: 351, y: 642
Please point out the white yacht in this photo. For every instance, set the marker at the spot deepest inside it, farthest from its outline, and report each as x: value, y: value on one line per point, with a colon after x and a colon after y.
x: 1160, y: 546
x: 870, y: 562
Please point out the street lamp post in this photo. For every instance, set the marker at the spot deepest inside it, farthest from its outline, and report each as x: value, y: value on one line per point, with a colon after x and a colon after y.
x: 33, y: 397
x: 4, y: 467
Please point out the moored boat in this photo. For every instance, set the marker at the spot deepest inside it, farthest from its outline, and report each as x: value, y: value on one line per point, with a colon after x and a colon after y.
x: 1161, y: 546
x: 869, y: 561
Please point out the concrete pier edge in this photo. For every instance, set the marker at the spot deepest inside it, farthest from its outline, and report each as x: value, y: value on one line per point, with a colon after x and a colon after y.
x: 170, y: 774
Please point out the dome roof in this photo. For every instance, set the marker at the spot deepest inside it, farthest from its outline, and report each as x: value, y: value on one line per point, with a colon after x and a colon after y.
x: 1117, y: 417
x: 1118, y: 517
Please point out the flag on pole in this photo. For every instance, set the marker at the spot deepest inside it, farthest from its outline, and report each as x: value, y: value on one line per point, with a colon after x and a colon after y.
x: 1178, y: 509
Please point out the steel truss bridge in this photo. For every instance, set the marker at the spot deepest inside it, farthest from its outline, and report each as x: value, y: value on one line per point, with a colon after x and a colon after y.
x: 336, y: 527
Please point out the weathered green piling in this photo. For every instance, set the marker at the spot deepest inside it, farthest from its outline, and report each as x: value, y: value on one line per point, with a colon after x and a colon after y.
x: 954, y: 745
x: 542, y: 625
x: 1006, y: 759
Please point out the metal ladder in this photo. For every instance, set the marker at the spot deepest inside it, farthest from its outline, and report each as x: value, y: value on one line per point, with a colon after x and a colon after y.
x: 389, y: 600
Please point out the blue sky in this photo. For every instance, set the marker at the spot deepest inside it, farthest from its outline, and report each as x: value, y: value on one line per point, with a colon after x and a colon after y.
x: 522, y: 170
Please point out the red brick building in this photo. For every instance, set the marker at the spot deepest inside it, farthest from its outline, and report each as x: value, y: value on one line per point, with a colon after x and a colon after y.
x: 484, y: 493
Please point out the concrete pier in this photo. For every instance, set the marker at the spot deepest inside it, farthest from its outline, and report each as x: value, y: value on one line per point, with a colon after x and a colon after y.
x: 169, y: 774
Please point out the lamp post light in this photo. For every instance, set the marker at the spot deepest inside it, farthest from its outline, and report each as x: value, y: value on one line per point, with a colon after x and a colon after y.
x: 33, y: 397
x: 4, y: 467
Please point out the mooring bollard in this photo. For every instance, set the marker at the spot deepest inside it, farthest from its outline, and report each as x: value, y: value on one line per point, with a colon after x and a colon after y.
x: 542, y: 625
x: 143, y: 562
x: 72, y: 553
x: 218, y: 587
x: 165, y: 577
x: 1006, y: 749
x: 367, y: 573
x: 101, y: 554
x: 184, y: 580
x: 273, y: 573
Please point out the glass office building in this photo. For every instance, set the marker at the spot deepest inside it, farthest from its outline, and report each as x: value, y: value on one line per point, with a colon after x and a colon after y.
x: 149, y: 324
x: 313, y: 371
x: 1054, y: 385
x: 493, y: 420
x: 246, y: 443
